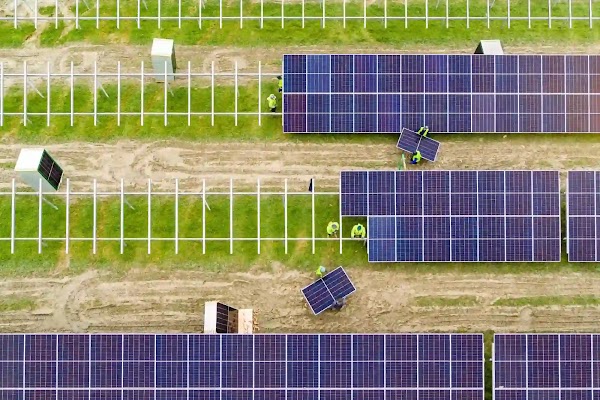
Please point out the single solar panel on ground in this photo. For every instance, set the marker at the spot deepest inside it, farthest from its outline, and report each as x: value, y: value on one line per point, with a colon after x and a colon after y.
x: 448, y: 93
x: 411, y: 141
x: 456, y: 215
x: 322, y: 294
x: 546, y: 366
x: 583, y: 191
x: 241, y: 367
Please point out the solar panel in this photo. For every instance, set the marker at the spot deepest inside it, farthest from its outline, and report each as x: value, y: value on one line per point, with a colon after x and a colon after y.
x: 322, y: 294
x: 582, y: 215
x: 457, y: 215
x: 545, y: 366
x: 448, y: 93
x: 229, y: 366
x: 411, y: 141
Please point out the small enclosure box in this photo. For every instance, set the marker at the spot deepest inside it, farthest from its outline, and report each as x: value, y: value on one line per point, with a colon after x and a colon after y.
x: 489, y: 47
x: 163, y: 54
x: 34, y: 164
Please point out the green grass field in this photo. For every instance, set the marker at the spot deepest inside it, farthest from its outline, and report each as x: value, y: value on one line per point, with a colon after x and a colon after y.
x: 456, y: 35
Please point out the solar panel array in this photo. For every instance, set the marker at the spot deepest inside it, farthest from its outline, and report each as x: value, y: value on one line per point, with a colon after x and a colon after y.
x: 456, y: 215
x: 546, y: 366
x: 241, y: 367
x: 323, y: 293
x: 449, y: 93
x: 411, y: 141
x: 583, y: 206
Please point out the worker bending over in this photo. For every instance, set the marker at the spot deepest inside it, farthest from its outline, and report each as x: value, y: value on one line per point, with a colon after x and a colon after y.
x: 423, y: 131
x: 280, y: 83
x: 416, y: 157
x: 358, y: 231
x: 332, y: 229
x: 272, y: 100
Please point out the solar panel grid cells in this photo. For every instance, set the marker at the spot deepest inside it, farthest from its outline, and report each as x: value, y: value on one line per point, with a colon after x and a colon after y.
x: 582, y: 195
x: 353, y: 185
x: 457, y: 93
x: 540, y: 365
x: 465, y: 216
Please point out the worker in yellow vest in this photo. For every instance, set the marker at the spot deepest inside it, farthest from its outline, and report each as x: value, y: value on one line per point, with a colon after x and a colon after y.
x: 272, y: 100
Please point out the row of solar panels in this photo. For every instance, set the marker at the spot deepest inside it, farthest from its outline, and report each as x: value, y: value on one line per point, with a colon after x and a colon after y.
x: 474, y: 215
x: 330, y: 367
x: 448, y: 93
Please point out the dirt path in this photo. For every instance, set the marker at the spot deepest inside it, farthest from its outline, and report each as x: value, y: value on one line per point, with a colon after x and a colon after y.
x: 386, y: 301
x: 163, y: 161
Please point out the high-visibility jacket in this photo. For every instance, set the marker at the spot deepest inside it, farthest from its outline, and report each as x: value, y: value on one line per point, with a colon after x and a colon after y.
x: 423, y: 131
x: 358, y: 231
x: 272, y: 102
x: 320, y: 271
x: 280, y: 83
x: 332, y: 227
x: 417, y: 156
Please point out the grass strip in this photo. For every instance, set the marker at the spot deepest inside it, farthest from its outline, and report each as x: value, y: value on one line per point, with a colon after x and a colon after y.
x: 440, y: 301
x: 543, y: 301
x: 16, y: 303
x: 437, y: 34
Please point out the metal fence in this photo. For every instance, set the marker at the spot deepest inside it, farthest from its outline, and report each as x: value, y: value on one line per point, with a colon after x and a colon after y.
x: 40, y: 84
x: 183, y: 14
x: 68, y: 195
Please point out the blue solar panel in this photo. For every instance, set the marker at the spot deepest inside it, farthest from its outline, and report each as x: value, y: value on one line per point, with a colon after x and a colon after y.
x: 449, y: 93
x: 410, y: 141
x: 295, y: 366
x: 545, y: 366
x: 460, y: 215
x: 582, y: 215
x: 321, y: 294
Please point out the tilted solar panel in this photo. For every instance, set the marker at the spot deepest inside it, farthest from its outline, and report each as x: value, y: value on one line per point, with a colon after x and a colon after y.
x: 459, y: 215
x: 583, y: 191
x: 225, y: 367
x: 545, y: 366
x: 411, y: 141
x: 449, y: 93
x: 322, y: 294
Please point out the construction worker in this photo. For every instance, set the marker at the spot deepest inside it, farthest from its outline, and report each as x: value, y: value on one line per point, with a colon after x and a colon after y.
x: 272, y: 100
x: 339, y: 304
x: 416, y: 157
x: 280, y: 83
x: 320, y: 271
x: 332, y: 229
x: 358, y: 231
x: 423, y: 131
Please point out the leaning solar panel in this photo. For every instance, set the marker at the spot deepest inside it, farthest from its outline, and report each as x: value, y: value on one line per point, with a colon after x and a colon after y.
x: 241, y: 367
x: 583, y: 206
x: 449, y: 93
x: 458, y: 215
x: 411, y: 141
x: 546, y: 366
x: 321, y: 294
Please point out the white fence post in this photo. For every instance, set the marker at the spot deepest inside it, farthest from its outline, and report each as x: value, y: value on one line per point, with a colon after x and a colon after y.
x: 40, y: 199
x: 312, y: 210
x: 72, y: 94
x: 241, y: 14
x: 176, y: 216
x: 13, y: 203
x: 118, y: 14
x: 16, y: 16
x: 166, y: 88
x: 95, y: 218
x: 203, y: 216
x: 231, y: 216
x: 97, y: 14
x: 76, y: 14
x: 118, y: 93
x: 95, y: 93
x: 24, y: 93
x: 179, y: 14
x: 212, y: 93
x: 257, y: 215
x: 158, y: 14
x: 122, y: 230
x: 235, y: 85
x: 189, y: 93
x: 142, y: 95
x: 283, y: 14
x: 138, y: 13
x: 48, y: 95
x: 68, y: 207
x: 149, y: 216
x: 220, y: 14
x: 285, y: 216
